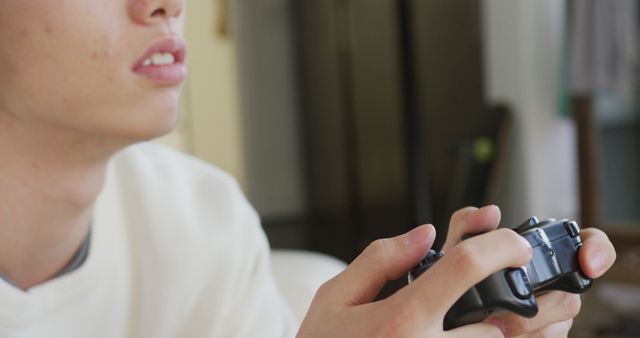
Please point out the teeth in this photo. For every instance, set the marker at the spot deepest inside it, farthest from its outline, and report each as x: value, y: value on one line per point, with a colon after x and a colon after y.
x: 160, y: 59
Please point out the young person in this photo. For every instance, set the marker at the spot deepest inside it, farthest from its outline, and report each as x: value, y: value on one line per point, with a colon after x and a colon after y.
x: 103, y: 235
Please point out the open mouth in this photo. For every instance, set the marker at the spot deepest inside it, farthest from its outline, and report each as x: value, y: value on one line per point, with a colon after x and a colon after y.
x: 167, y: 51
x: 164, y: 62
x: 160, y: 59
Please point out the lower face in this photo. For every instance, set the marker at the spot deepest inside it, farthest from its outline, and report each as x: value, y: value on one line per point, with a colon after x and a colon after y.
x: 67, y: 66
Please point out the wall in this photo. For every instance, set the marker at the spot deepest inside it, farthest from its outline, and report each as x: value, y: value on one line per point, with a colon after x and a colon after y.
x: 523, y: 66
x: 240, y: 108
x: 256, y: 139
x: 211, y: 121
x: 270, y: 117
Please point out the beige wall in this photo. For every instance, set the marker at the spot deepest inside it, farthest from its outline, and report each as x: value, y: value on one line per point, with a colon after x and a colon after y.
x: 211, y: 123
x: 523, y: 59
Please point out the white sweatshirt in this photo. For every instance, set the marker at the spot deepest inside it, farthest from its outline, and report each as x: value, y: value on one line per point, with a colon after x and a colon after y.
x: 176, y: 251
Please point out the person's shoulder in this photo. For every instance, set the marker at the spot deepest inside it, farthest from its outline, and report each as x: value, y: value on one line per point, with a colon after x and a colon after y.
x: 158, y: 159
x: 186, y: 224
x: 154, y: 163
x: 180, y: 187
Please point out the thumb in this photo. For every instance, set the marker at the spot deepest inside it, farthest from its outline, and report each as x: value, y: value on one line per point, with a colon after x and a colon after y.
x: 383, y: 260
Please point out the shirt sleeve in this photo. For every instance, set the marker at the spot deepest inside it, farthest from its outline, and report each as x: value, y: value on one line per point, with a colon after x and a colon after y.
x: 249, y: 305
x: 260, y: 310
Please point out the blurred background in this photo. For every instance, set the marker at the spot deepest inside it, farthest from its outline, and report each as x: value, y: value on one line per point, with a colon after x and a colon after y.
x: 350, y: 120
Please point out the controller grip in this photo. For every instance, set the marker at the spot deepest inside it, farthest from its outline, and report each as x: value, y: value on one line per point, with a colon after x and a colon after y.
x: 496, y: 293
x: 573, y: 279
x: 575, y: 282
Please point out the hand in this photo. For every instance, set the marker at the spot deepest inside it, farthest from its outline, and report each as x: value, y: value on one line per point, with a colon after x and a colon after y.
x: 344, y: 307
x: 556, y: 309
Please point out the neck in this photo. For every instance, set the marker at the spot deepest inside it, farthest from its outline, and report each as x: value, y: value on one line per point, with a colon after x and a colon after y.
x: 48, y: 186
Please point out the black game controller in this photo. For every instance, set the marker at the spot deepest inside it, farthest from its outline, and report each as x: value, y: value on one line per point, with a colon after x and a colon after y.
x: 554, y: 266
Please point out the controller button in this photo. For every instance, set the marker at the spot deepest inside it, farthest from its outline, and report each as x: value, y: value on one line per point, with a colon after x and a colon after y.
x: 431, y: 257
x: 519, y: 283
x: 526, y: 225
x: 572, y: 228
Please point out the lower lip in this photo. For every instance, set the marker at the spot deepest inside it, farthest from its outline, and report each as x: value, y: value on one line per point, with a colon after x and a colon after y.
x: 173, y: 74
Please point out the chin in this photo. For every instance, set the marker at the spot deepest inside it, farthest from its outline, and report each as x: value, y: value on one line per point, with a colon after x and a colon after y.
x: 154, y: 119
x: 142, y: 128
x: 152, y: 129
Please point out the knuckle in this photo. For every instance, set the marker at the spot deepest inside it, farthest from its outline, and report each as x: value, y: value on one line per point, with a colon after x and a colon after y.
x: 467, y: 258
x: 572, y: 304
x: 394, y: 327
x: 398, y: 319
x: 374, y: 248
x: 509, y: 235
x: 376, y: 252
x: 324, y: 289
x: 329, y: 287
x: 374, y: 257
x: 518, y: 242
x: 519, y: 326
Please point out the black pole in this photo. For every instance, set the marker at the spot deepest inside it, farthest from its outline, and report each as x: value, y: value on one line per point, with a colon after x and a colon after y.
x: 418, y: 173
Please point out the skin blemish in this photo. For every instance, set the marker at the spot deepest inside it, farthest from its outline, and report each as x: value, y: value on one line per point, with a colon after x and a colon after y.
x: 103, y: 48
x: 100, y: 54
x: 48, y: 28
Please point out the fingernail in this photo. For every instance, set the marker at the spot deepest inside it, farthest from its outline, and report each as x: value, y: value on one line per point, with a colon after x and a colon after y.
x: 598, y: 262
x: 499, y: 323
x: 490, y: 206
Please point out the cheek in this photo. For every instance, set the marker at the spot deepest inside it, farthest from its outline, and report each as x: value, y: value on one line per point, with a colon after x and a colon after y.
x: 59, y: 71
x: 106, y: 42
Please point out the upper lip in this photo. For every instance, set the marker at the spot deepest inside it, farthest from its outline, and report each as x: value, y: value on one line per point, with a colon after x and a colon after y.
x: 173, y: 45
